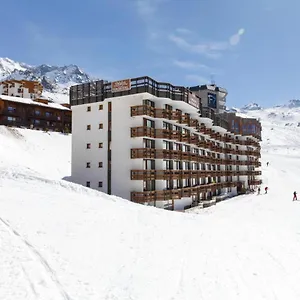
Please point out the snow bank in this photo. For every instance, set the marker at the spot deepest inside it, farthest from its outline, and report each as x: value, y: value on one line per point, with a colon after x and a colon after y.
x: 59, y: 240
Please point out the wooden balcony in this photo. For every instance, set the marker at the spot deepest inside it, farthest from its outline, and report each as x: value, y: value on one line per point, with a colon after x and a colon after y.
x: 174, y: 194
x: 185, y: 120
x: 142, y: 110
x: 194, y: 139
x: 147, y: 110
x: 255, y: 182
x: 142, y: 131
x: 186, y: 138
x: 177, y: 174
x: 194, y: 123
x: 187, y: 156
x: 168, y: 154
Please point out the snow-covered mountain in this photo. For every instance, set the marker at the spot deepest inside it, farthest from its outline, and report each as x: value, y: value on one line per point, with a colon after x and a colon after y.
x: 251, y: 106
x: 56, y: 80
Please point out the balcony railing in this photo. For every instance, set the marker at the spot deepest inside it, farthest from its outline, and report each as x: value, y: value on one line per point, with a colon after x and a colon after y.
x: 188, y: 156
x: 160, y: 195
x: 185, y: 119
x: 186, y: 174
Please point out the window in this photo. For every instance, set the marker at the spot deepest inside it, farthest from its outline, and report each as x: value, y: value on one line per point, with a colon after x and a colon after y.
x: 100, y: 164
x: 168, y: 165
x: 88, y: 108
x: 37, y: 112
x: 149, y: 143
x: 178, y: 165
x: 88, y: 184
x: 88, y: 164
x: 88, y: 146
x: 149, y: 185
x: 11, y: 119
x: 100, y: 184
x: 167, y: 126
x: 167, y: 145
x: 149, y: 164
x: 177, y: 147
x: 149, y: 123
x: 169, y: 184
x: 101, y: 126
x: 149, y: 103
x: 88, y: 127
x: 100, y: 106
x: 11, y: 109
x: 100, y: 145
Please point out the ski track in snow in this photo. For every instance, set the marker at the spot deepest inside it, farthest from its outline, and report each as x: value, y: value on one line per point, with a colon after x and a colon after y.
x: 39, y: 258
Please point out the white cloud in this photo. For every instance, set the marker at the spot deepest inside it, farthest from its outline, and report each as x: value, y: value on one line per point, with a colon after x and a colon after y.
x: 147, y: 8
x: 196, y: 79
x: 212, y: 49
x: 183, y: 31
x: 236, y: 38
x: 144, y: 8
x: 208, y: 49
x: 189, y: 65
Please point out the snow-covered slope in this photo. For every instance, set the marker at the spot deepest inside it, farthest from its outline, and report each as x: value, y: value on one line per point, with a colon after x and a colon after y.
x: 56, y: 80
x: 59, y: 240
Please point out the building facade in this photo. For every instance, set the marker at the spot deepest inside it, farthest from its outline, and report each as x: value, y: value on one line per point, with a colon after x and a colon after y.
x: 21, y: 105
x: 21, y: 88
x: 158, y: 144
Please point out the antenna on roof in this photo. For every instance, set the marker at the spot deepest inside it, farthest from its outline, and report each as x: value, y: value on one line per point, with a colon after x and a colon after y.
x: 212, y: 79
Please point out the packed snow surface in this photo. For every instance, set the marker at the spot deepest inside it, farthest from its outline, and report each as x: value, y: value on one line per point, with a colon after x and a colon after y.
x: 59, y: 240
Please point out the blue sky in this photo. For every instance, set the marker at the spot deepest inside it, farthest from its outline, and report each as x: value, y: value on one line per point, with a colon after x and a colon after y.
x: 249, y: 47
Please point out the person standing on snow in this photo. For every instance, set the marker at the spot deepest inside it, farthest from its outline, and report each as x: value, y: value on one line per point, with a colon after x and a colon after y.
x: 258, y: 191
x: 295, y: 196
x: 266, y: 190
x: 267, y: 163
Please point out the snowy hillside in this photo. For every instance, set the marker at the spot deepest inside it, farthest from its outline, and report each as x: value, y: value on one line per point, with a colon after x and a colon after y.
x: 55, y: 80
x: 59, y: 240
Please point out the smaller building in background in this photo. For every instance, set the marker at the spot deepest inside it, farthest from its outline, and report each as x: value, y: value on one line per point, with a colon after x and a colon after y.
x: 21, y: 88
x: 244, y: 126
x: 22, y: 105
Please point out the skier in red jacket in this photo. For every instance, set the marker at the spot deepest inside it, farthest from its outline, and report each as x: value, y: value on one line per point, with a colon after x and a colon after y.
x: 295, y: 196
x: 266, y: 190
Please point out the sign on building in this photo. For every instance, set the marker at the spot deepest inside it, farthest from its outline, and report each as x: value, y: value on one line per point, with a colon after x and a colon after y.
x: 193, y: 100
x: 121, y: 85
x: 212, y: 100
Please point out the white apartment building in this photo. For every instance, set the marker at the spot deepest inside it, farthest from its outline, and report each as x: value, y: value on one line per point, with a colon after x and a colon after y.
x: 154, y: 143
x: 21, y: 88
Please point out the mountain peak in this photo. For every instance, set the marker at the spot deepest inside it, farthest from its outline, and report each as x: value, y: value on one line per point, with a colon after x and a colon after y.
x: 55, y: 79
x: 293, y: 103
x: 252, y: 106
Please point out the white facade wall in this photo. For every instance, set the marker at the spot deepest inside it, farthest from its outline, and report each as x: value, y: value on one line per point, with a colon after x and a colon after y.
x: 81, y: 137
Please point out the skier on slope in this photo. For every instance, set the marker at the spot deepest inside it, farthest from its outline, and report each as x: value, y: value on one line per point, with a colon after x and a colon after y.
x: 258, y: 191
x: 266, y: 190
x: 267, y: 164
x: 295, y: 196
